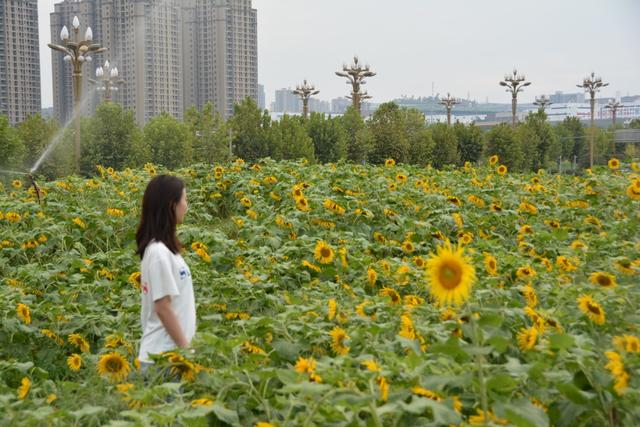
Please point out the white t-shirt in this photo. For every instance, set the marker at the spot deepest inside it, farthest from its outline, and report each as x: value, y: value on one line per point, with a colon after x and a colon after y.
x: 164, y: 273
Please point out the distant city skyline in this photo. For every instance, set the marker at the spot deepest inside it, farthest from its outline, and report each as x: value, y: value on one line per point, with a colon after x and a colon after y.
x: 423, y: 47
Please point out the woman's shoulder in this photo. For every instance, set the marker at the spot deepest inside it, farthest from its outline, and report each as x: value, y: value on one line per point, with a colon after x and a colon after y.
x: 156, y: 249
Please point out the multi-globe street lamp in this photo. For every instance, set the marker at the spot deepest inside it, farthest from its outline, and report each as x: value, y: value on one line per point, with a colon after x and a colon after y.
x: 542, y: 102
x: 592, y: 84
x: 613, y: 105
x: 77, y: 51
x: 107, y: 80
x: 305, y: 91
x: 449, y: 102
x: 355, y: 75
x: 514, y: 83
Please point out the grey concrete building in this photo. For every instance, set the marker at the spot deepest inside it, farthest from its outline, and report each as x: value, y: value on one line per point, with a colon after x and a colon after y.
x: 19, y: 60
x: 287, y: 102
x: 262, y: 97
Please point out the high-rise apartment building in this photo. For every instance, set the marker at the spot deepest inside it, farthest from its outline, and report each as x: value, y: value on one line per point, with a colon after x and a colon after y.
x: 172, y: 54
x: 287, y: 101
x: 19, y: 60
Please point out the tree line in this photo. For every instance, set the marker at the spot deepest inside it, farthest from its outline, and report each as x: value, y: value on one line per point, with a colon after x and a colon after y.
x: 112, y: 138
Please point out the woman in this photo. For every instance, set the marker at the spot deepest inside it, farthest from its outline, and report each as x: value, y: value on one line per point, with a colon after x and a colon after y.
x: 168, y: 313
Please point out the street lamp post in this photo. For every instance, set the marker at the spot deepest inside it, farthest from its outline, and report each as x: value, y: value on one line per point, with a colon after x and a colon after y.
x: 355, y: 75
x: 592, y: 85
x: 542, y: 102
x: 613, y: 105
x: 77, y: 51
x: 305, y: 91
x: 514, y: 83
x: 449, y: 103
x: 107, y: 80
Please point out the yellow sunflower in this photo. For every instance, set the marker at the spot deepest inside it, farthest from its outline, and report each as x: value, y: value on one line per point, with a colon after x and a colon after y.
x: 332, y: 308
x: 628, y: 343
x: 493, y: 160
x: 338, y: 338
x: 383, y: 384
x: 23, y: 313
x: 372, y: 276
x: 633, y: 191
x: 526, y: 272
x: 451, y: 275
x: 302, y: 204
x: 323, y: 253
x: 603, y: 279
x: 420, y: 391
x: 187, y: 370
x: 620, y: 375
x: 591, y: 309
x: 74, y: 362
x: 502, y: 169
x: 613, y: 164
x: 80, y: 342
x: 391, y: 293
x: 23, y: 390
x: 490, y: 264
x: 114, y: 366
x: 527, y: 338
x: 306, y: 365
x: 134, y: 279
x: 529, y: 294
x: 408, y: 247
x: 389, y: 163
x: 371, y: 365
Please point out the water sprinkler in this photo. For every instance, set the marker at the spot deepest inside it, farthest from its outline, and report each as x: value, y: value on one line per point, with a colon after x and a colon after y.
x: 35, y: 187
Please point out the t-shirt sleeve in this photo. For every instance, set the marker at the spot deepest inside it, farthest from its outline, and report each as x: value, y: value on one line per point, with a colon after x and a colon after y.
x: 161, y: 279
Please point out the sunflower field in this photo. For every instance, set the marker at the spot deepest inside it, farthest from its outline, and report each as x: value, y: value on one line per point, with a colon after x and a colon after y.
x: 336, y: 294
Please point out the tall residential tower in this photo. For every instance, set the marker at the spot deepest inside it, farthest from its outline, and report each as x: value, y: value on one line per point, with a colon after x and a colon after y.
x: 19, y: 60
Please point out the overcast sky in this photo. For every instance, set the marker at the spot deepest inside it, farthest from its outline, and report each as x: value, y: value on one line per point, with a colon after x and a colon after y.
x: 458, y: 46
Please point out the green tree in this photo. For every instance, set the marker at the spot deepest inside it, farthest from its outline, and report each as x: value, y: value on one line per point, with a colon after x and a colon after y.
x: 250, y: 131
x: 445, y: 145
x: 210, y: 134
x: 418, y: 136
x: 359, y: 138
x: 328, y: 136
x: 502, y: 141
x: 110, y: 140
x: 572, y: 137
x: 634, y: 124
x: 36, y: 133
x: 11, y: 147
x: 389, y: 134
x: 539, y: 143
x: 470, y: 142
x: 169, y: 141
x: 289, y: 140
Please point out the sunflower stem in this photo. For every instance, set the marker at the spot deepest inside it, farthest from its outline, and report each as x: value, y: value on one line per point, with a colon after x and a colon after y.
x: 478, y: 358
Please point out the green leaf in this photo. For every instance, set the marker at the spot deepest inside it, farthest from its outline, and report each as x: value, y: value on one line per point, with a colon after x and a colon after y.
x: 88, y: 410
x: 287, y: 350
x: 501, y: 383
x: 574, y: 394
x: 306, y: 387
x: 561, y: 341
x: 523, y: 414
x: 499, y: 343
x: 225, y: 415
x: 442, y: 414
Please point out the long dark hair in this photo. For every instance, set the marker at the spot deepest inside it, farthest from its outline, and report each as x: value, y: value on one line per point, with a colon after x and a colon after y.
x: 158, y: 219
